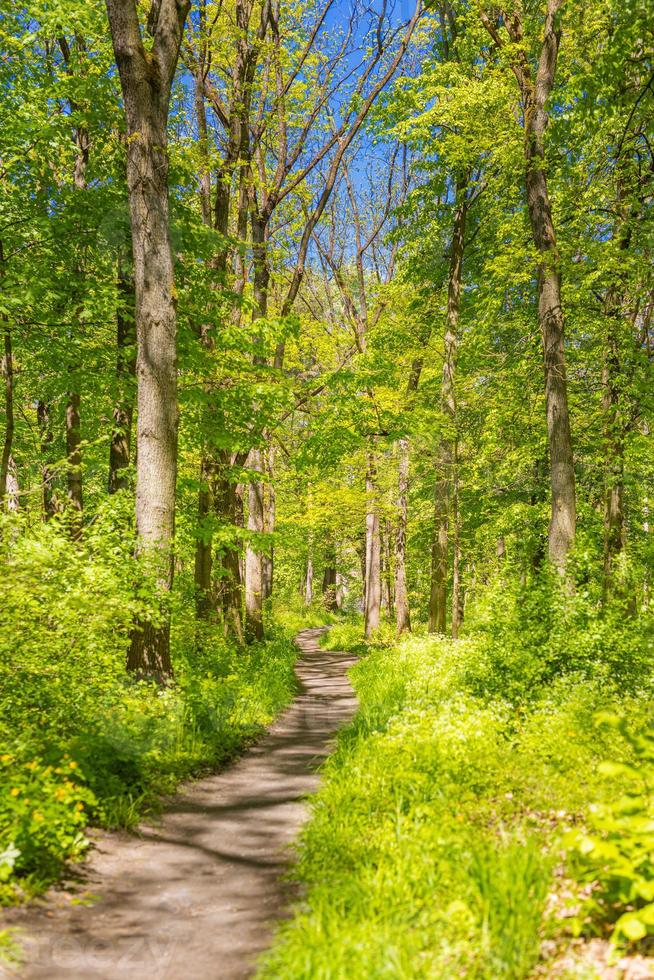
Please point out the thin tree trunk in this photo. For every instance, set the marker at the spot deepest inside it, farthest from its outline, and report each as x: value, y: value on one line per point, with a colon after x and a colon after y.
x: 269, y: 523
x: 228, y: 506
x: 253, y: 562
x: 8, y: 378
x: 146, y: 79
x: 614, y: 527
x: 74, y: 468
x: 121, y: 434
x: 457, y: 589
x: 47, y: 473
x: 402, y: 614
x: 373, y: 552
x: 308, y: 578
x: 446, y: 454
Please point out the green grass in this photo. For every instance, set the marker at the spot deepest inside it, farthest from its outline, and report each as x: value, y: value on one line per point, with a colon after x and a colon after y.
x: 433, y: 842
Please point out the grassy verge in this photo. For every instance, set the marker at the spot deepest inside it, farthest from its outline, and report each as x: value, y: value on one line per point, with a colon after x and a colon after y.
x: 434, y: 848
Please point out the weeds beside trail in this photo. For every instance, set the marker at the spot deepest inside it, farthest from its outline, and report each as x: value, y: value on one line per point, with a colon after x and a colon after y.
x: 435, y: 845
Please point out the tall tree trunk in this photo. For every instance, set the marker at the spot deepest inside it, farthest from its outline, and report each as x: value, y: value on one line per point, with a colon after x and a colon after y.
x: 308, y: 578
x: 121, y: 433
x: 74, y: 467
x: 373, y: 552
x: 8, y: 378
x: 329, y: 580
x: 269, y: 523
x: 446, y: 454
x: 47, y: 472
x: 550, y: 306
x: 535, y: 89
x: 614, y: 526
x: 146, y: 79
x: 457, y: 589
x: 228, y: 507
x: 253, y: 554
x: 402, y: 614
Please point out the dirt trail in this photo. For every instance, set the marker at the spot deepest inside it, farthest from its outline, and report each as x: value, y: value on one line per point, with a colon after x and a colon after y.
x: 196, y: 895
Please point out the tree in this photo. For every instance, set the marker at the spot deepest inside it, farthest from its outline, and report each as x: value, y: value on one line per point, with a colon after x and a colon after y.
x: 146, y: 79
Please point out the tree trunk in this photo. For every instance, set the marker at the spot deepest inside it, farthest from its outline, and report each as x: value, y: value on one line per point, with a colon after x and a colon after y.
x: 550, y: 307
x: 121, y: 434
x: 253, y: 555
x: 614, y: 525
x: 373, y: 553
x: 74, y: 467
x: 269, y: 523
x: 204, y: 604
x: 446, y: 454
x: 457, y: 590
x: 228, y: 507
x: 47, y: 473
x: 8, y: 377
x: 402, y: 614
x: 308, y: 578
x: 329, y: 581
x: 146, y: 79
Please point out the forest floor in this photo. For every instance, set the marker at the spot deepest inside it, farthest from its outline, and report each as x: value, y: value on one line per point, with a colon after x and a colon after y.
x: 201, y: 888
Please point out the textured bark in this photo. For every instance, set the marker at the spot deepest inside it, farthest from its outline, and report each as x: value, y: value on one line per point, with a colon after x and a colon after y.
x: 535, y: 89
x: 228, y: 508
x: 146, y: 78
x: 402, y: 614
x: 270, y: 515
x: 457, y: 587
x: 121, y: 433
x: 253, y: 555
x: 445, y: 466
x: 373, y: 553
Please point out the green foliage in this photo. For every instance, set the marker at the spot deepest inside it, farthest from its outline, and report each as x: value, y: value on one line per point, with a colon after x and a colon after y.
x: 616, y: 850
x: 432, y: 843
x: 80, y: 741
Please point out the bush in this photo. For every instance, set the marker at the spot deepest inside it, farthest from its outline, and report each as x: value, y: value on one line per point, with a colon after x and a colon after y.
x: 433, y: 840
x: 79, y: 740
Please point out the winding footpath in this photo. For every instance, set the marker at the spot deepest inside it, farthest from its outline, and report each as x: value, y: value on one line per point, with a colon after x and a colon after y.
x: 197, y: 894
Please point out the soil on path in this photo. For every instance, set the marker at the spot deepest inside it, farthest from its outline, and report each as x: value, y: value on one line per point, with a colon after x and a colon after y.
x: 197, y: 894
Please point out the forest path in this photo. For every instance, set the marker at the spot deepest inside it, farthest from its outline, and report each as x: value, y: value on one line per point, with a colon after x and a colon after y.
x: 197, y: 893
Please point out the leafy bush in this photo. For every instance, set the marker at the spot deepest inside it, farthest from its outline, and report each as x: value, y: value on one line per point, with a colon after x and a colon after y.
x: 432, y: 843
x: 79, y: 740
x: 616, y: 851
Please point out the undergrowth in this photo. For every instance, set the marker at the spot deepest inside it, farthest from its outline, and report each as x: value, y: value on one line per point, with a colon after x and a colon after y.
x: 80, y: 742
x: 436, y: 844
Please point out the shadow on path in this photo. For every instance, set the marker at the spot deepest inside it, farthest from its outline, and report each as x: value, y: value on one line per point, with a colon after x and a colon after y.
x: 197, y: 894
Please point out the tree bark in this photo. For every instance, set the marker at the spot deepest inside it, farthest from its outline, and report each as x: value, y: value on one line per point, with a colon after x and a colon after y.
x: 121, y: 433
x: 535, y: 91
x: 253, y: 555
x: 457, y: 588
x: 146, y: 79
x: 402, y: 614
x: 373, y: 552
